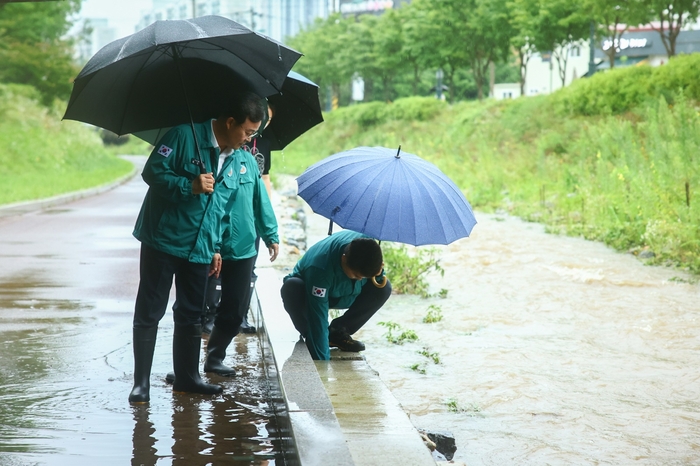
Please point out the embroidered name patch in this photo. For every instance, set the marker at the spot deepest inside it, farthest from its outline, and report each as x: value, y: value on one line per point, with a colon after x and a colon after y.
x: 164, y: 150
x: 318, y: 292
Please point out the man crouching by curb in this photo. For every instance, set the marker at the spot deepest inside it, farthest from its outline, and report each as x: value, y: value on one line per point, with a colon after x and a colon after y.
x: 333, y: 274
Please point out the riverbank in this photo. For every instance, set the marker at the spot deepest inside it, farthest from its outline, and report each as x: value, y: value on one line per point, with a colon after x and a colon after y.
x: 550, y: 349
x: 611, y: 158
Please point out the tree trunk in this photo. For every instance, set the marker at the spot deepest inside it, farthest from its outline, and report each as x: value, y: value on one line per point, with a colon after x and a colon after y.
x: 523, y: 69
x: 416, y: 79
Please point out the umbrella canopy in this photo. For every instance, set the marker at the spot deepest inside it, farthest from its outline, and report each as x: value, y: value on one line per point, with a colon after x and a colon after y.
x: 297, y: 109
x: 173, y: 72
x: 388, y: 195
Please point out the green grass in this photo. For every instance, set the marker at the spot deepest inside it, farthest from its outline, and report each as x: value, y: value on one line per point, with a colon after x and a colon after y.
x: 626, y: 175
x: 42, y: 156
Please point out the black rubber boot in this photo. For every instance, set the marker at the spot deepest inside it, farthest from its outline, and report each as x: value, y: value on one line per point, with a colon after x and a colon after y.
x: 246, y: 327
x: 187, y: 342
x: 144, y: 344
x: 216, y: 352
x: 208, y: 317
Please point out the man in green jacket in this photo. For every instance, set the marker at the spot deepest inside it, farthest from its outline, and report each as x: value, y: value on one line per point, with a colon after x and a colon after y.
x: 179, y: 227
x: 333, y: 274
x: 251, y: 215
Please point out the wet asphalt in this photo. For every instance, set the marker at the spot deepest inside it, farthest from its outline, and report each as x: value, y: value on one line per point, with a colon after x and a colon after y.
x: 68, y: 281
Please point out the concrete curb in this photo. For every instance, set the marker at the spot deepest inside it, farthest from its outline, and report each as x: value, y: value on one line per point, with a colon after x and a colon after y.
x: 20, y: 208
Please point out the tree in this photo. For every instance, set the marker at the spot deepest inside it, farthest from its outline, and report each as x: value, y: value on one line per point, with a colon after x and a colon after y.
x: 491, y: 33
x: 522, y: 20
x: 559, y: 26
x: 322, y: 45
x: 612, y: 20
x: 414, y: 49
x: 33, y: 49
x: 672, y: 16
x: 389, y: 46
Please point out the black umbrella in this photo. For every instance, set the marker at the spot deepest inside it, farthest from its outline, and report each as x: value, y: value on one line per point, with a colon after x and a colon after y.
x: 175, y: 72
x: 297, y: 109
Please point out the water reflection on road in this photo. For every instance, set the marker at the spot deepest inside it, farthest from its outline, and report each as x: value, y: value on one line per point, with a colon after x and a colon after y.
x: 63, y: 401
x: 552, y: 350
x: 67, y: 289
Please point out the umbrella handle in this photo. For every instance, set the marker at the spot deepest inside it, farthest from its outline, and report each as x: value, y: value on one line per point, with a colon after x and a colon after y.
x: 382, y: 284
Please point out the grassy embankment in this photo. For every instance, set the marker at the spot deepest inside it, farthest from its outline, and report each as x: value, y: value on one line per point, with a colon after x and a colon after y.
x: 613, y: 158
x: 42, y: 156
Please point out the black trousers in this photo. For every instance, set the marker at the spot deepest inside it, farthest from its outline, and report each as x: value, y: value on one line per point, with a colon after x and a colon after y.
x: 235, y: 293
x: 367, y: 303
x: 156, y: 270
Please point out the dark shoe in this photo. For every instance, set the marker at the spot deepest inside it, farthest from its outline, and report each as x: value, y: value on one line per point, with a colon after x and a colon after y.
x: 216, y: 352
x: 187, y: 343
x: 339, y: 338
x: 144, y: 344
x: 246, y: 327
x: 170, y: 378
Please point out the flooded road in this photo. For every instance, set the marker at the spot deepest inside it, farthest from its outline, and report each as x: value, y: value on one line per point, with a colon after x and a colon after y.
x: 551, y: 350
x: 67, y: 287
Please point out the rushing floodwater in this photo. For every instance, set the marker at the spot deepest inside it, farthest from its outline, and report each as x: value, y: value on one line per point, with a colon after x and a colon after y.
x: 552, y: 350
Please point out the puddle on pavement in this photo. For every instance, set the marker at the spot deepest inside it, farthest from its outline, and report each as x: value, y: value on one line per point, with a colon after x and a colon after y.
x: 66, y: 369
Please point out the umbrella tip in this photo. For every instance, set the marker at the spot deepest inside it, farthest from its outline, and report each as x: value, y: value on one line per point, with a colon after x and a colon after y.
x: 397, y: 152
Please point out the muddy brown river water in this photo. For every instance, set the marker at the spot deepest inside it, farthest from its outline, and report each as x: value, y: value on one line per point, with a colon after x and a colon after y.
x: 552, y: 350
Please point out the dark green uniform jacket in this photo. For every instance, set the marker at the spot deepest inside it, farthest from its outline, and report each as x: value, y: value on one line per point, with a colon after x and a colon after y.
x: 251, y: 215
x: 327, y: 287
x: 172, y: 219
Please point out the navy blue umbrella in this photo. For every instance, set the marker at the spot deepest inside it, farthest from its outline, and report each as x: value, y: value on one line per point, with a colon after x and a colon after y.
x: 388, y: 195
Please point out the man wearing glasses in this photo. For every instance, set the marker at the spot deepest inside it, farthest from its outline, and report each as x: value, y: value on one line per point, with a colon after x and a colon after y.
x: 180, y: 226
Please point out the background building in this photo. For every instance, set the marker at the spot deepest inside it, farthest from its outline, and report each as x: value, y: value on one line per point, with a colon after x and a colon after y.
x: 278, y: 19
x: 637, y: 46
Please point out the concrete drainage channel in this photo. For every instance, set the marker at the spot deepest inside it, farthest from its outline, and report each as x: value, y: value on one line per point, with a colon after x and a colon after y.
x: 336, y: 412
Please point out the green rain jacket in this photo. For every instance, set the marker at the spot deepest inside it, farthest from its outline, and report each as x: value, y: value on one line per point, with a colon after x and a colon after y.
x: 172, y: 219
x: 327, y: 287
x: 250, y: 215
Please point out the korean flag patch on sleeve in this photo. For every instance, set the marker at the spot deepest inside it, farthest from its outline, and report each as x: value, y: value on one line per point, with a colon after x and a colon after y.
x: 318, y: 292
x: 164, y: 150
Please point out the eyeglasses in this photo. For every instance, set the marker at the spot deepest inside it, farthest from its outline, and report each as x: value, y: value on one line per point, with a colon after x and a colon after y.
x: 251, y: 135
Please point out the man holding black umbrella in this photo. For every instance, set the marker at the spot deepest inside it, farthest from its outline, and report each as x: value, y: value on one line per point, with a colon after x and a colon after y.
x: 179, y: 227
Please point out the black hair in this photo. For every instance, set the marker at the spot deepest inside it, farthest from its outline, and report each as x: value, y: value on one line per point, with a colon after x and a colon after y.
x: 364, y: 255
x: 245, y: 105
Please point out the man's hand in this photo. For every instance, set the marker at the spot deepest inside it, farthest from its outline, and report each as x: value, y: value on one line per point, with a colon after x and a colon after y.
x: 203, y: 184
x: 274, y: 250
x: 215, y: 266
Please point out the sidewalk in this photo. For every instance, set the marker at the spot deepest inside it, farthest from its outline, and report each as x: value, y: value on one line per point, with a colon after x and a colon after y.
x: 338, y: 409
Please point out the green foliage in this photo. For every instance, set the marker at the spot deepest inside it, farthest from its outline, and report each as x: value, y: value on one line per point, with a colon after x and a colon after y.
x: 622, y: 89
x: 435, y: 357
x: 613, y: 176
x: 454, y: 407
x: 396, y: 334
x: 434, y: 314
x: 420, y: 368
x: 42, y: 156
x: 407, y: 271
x: 416, y: 109
x: 33, y: 49
x: 611, y: 92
